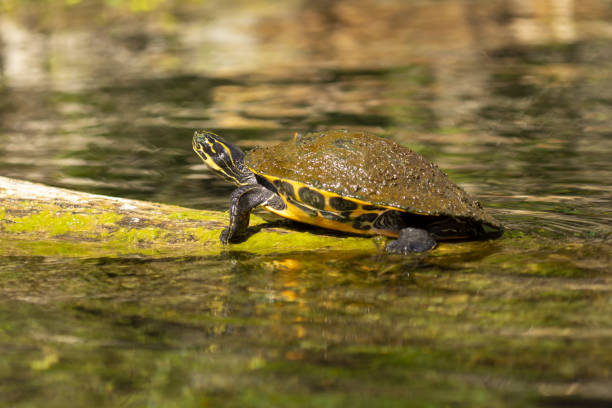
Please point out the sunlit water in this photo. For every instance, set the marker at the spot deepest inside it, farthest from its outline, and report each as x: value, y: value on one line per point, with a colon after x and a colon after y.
x: 515, y: 109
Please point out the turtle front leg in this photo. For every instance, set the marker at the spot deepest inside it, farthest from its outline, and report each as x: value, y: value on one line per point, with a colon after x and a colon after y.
x: 411, y: 240
x: 242, y: 201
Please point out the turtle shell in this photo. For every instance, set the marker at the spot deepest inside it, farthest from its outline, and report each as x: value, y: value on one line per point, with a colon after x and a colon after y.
x: 369, y: 168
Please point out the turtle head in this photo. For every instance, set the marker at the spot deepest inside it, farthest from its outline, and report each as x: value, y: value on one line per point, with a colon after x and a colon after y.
x: 222, y: 157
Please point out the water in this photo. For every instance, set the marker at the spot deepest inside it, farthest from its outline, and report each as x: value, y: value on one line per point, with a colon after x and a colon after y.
x: 512, y: 99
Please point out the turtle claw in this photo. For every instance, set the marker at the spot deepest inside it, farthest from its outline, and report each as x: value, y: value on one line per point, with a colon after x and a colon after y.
x: 227, y: 237
x: 411, y: 240
x: 224, y: 237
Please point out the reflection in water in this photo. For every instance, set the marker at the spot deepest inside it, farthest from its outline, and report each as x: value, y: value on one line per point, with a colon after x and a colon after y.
x: 511, y: 98
x: 216, y: 327
x: 542, y: 22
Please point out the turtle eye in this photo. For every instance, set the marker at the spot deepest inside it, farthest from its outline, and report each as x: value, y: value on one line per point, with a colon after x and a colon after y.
x: 207, y: 143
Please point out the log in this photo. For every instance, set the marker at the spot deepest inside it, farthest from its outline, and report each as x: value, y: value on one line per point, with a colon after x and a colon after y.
x: 39, y: 220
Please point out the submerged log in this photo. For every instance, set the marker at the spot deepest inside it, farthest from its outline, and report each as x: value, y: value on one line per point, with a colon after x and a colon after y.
x: 41, y: 220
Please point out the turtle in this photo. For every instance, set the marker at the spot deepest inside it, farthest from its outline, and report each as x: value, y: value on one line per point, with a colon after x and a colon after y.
x: 350, y: 181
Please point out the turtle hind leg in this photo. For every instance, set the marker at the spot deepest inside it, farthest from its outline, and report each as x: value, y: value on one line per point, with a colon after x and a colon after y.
x: 243, y: 200
x: 411, y: 240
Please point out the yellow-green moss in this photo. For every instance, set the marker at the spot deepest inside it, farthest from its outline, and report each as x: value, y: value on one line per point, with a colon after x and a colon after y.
x: 58, y: 224
x: 61, y: 247
x: 206, y: 215
x: 197, y: 215
x: 256, y: 220
x: 268, y: 240
x: 203, y: 235
x: 53, y: 231
x: 138, y: 235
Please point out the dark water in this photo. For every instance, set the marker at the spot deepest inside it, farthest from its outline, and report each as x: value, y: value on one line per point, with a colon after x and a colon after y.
x: 513, y: 99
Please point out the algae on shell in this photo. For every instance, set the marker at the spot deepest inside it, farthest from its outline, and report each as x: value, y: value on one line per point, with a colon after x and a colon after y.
x: 370, y: 168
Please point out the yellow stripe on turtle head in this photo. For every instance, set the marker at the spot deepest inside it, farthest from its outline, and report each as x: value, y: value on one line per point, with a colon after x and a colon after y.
x: 219, y: 155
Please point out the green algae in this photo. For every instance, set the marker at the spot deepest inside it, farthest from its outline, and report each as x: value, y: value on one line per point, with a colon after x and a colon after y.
x: 50, y: 230
x: 203, y: 215
x: 139, y: 235
x: 204, y: 235
x: 296, y: 241
x: 82, y: 249
x: 207, y: 215
x: 55, y: 223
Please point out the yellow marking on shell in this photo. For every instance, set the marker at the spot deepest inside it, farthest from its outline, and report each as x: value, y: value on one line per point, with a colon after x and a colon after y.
x: 295, y: 213
x: 327, y: 194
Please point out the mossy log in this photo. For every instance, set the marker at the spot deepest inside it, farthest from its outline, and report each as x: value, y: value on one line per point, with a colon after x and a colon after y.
x: 41, y: 220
